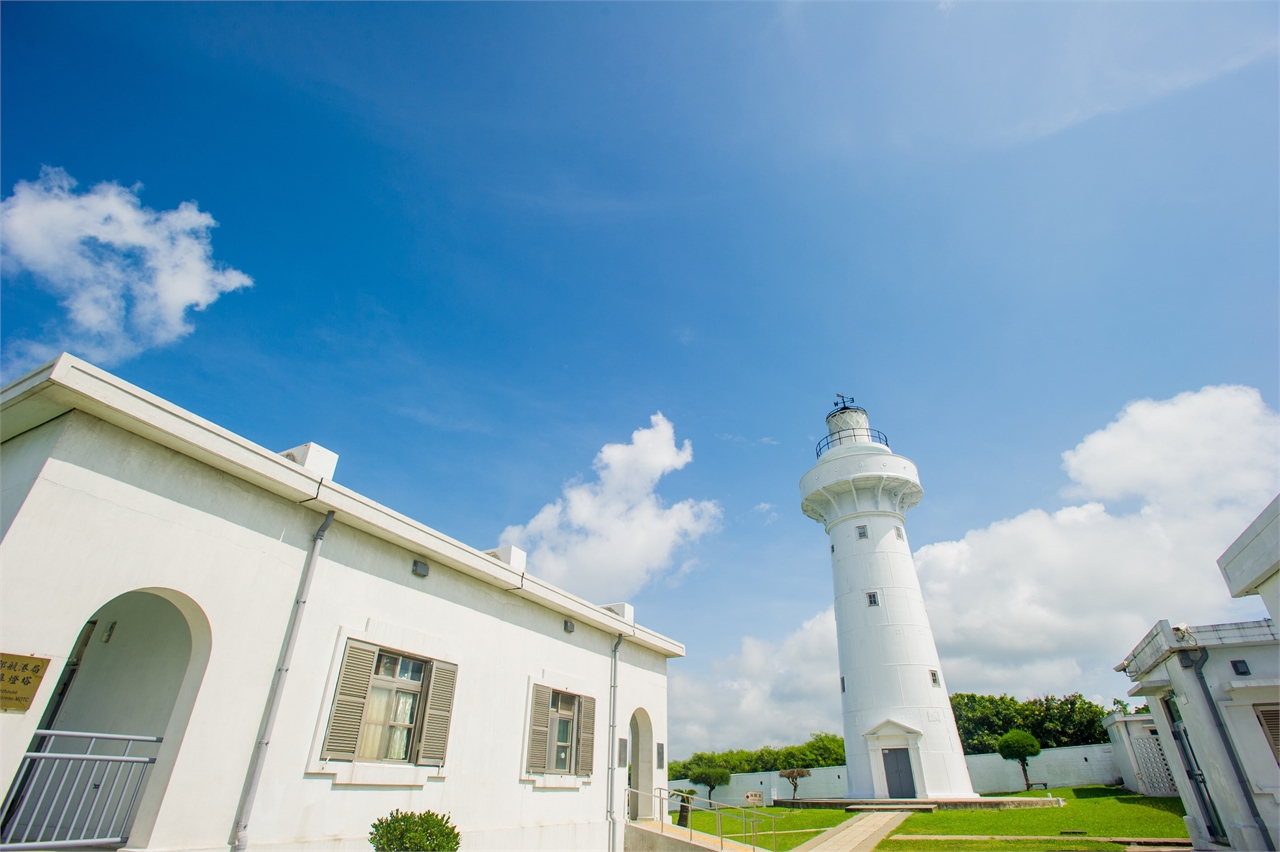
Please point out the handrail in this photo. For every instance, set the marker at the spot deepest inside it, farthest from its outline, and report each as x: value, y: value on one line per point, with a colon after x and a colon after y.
x: 851, y: 436
x: 52, y: 791
x: 45, y: 732
x: 663, y: 796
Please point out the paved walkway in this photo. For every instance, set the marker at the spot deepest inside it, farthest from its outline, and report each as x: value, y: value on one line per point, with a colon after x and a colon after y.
x: 860, y: 834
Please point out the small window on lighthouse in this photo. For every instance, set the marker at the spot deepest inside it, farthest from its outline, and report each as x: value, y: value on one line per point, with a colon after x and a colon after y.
x: 862, y: 532
x: 898, y: 532
x: 873, y: 599
x: 933, y: 676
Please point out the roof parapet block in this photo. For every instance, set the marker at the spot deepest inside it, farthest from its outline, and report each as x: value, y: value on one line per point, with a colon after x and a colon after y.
x: 314, y: 458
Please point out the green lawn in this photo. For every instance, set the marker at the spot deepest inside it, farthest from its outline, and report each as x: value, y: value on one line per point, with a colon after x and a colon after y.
x: 994, y: 845
x: 799, y: 825
x: 1100, y: 811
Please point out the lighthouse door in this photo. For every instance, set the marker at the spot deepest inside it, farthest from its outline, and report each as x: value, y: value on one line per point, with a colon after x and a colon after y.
x: 897, y: 772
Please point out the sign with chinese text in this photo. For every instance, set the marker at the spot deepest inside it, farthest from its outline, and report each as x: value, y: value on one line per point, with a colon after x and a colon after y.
x: 19, y: 679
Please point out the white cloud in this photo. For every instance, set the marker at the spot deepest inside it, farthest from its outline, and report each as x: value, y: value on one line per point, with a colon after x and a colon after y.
x: 1051, y: 601
x: 604, y: 540
x: 766, y: 694
x: 1045, y: 601
x: 125, y: 274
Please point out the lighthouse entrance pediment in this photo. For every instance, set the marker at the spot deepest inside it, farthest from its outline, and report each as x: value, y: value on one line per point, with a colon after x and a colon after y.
x: 892, y: 728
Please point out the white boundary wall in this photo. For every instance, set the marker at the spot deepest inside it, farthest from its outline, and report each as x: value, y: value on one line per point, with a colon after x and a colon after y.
x: 1070, y: 766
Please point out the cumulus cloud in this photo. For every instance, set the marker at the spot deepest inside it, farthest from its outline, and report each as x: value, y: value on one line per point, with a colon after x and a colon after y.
x: 1045, y: 601
x: 766, y: 694
x: 604, y: 540
x: 126, y: 275
x: 1052, y: 600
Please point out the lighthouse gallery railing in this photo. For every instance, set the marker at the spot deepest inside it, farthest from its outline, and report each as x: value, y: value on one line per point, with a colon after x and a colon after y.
x: 852, y: 436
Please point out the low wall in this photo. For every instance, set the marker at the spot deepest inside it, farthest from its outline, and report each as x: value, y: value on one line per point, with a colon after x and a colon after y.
x: 1071, y: 766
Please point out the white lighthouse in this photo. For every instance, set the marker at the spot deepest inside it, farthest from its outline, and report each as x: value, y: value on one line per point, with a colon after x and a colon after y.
x: 900, y: 736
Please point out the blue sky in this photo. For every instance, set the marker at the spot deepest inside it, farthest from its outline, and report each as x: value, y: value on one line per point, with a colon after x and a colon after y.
x: 487, y: 240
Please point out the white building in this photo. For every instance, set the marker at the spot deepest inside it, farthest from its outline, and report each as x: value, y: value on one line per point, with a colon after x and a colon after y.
x: 1138, y: 754
x: 292, y: 659
x: 899, y: 732
x: 1214, y: 692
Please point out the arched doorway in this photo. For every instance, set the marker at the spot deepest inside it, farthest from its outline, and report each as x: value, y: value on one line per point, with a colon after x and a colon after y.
x: 123, y: 700
x: 640, y: 772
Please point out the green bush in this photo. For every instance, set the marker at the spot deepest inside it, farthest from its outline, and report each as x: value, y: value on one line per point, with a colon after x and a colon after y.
x: 410, y: 832
x: 710, y: 777
x: 1055, y: 722
x: 820, y: 750
x: 1018, y: 745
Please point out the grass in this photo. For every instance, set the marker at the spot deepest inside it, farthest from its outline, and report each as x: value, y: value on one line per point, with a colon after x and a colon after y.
x: 1100, y: 811
x: 988, y: 845
x: 799, y: 825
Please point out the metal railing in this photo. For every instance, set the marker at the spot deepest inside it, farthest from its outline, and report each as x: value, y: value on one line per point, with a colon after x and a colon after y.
x: 65, y: 799
x: 749, y: 818
x: 851, y: 436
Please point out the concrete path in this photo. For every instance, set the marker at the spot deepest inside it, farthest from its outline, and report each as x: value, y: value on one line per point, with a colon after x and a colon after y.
x: 860, y: 834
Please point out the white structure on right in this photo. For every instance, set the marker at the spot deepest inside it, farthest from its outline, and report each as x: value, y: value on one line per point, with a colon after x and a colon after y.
x: 1214, y: 693
x: 900, y: 736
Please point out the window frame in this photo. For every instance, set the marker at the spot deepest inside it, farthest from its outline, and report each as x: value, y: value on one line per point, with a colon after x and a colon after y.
x: 862, y: 532
x: 873, y: 599
x: 557, y: 715
x: 396, y: 685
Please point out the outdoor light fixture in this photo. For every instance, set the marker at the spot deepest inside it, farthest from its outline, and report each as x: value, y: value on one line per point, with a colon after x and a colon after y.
x: 568, y: 626
x: 420, y: 568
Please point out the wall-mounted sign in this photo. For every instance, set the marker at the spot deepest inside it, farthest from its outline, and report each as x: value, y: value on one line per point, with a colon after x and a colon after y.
x: 19, y: 679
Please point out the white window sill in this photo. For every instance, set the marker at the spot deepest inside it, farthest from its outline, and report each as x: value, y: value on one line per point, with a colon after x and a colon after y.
x: 557, y: 782
x: 376, y: 774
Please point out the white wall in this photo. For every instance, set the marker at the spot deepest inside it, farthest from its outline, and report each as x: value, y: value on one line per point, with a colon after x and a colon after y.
x: 1060, y: 767
x: 111, y: 513
x: 1069, y: 766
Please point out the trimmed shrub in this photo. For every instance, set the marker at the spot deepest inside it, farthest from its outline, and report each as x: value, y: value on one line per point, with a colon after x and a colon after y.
x: 409, y: 832
x: 1018, y: 745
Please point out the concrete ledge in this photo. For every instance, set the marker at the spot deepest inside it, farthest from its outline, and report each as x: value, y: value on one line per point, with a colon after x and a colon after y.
x: 991, y: 803
x: 1177, y: 842
x: 646, y: 837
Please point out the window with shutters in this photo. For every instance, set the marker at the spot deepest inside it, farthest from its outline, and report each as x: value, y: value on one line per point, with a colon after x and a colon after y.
x: 390, y: 707
x: 1269, y: 718
x: 561, y: 732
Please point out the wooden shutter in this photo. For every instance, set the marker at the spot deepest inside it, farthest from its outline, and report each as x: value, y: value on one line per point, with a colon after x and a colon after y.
x: 438, y: 708
x: 348, y: 701
x: 539, y: 729
x: 585, y: 750
x: 1269, y: 716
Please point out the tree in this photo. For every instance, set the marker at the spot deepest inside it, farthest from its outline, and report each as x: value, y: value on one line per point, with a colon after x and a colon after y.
x: 686, y: 799
x: 820, y: 750
x: 1019, y: 745
x: 710, y: 777
x: 794, y: 776
x: 1068, y: 721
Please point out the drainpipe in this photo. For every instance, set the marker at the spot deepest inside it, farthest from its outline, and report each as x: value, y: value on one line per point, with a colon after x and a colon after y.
x: 613, y: 736
x: 239, y: 833
x: 1184, y: 658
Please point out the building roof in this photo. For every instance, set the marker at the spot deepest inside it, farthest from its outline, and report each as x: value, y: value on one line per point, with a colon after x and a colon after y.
x: 68, y: 383
x: 1255, y: 555
x: 1164, y: 640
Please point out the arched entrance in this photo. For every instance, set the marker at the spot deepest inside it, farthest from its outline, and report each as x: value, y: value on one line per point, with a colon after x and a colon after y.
x: 640, y: 772
x: 123, y: 700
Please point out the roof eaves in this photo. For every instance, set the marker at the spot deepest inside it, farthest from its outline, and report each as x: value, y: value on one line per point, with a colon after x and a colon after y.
x: 68, y: 383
